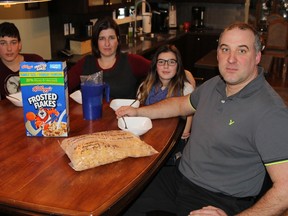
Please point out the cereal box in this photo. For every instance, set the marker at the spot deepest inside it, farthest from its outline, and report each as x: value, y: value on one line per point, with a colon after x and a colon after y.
x: 45, y: 98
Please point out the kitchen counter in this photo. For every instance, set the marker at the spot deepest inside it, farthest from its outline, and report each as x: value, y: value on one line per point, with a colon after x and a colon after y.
x: 145, y: 43
x: 141, y: 45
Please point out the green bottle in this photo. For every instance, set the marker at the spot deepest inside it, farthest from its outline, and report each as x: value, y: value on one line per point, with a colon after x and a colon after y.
x: 130, y: 31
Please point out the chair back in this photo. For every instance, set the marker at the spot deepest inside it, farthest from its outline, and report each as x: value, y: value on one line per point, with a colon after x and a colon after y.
x: 277, y: 37
x: 273, y: 17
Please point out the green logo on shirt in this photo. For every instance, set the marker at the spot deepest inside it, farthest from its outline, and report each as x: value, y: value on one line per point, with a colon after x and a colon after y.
x: 231, y: 122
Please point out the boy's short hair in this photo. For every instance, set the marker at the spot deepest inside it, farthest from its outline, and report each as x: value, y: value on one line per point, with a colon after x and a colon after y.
x: 9, y: 30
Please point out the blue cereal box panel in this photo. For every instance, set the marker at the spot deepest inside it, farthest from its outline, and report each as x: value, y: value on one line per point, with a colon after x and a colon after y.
x: 45, y: 98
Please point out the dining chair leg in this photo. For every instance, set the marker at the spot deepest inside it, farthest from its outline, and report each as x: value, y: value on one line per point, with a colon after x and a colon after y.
x: 279, y: 66
x: 284, y: 69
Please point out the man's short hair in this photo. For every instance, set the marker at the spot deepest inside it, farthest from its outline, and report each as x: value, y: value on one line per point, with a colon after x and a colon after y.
x: 245, y: 26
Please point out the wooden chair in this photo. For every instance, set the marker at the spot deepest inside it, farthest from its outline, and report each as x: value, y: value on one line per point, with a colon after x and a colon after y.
x: 272, y: 17
x: 277, y: 44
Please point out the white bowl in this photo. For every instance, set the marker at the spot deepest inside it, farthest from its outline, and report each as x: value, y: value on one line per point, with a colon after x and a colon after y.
x: 135, y: 125
x: 117, y: 103
x: 16, y: 99
x: 77, y: 96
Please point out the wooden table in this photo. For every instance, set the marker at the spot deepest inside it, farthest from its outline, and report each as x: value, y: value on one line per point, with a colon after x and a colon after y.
x: 35, y: 178
x: 208, y: 64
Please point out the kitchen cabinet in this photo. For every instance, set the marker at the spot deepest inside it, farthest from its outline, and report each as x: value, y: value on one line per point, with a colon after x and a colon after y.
x: 195, y: 47
x: 180, y: 44
x: 77, y: 13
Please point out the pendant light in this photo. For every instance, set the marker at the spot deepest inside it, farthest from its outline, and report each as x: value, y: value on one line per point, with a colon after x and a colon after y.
x: 8, y: 3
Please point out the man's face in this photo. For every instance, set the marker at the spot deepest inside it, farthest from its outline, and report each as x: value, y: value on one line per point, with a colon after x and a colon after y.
x: 9, y: 48
x: 237, y: 58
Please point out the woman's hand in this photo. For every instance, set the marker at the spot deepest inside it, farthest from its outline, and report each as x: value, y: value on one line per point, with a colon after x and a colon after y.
x: 126, y: 111
x: 208, y: 211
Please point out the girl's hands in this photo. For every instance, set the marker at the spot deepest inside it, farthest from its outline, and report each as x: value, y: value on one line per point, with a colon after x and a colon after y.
x: 126, y: 111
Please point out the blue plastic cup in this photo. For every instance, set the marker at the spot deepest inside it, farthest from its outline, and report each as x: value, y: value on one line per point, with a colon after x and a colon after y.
x: 92, y: 99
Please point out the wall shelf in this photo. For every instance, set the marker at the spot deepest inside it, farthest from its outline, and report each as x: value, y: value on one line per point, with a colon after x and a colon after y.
x: 127, y: 20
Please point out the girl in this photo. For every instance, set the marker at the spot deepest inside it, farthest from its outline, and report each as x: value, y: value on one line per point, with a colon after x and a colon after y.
x: 166, y: 79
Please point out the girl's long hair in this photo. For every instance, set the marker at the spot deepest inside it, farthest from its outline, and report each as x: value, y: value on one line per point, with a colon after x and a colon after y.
x: 176, y: 84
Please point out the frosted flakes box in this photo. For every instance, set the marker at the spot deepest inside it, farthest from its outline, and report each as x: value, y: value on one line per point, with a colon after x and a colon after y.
x: 45, y: 98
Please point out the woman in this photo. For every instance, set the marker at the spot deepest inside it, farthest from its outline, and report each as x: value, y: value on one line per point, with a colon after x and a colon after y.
x: 123, y: 72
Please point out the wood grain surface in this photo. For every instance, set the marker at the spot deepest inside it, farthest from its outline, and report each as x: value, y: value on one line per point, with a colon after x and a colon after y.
x: 35, y: 178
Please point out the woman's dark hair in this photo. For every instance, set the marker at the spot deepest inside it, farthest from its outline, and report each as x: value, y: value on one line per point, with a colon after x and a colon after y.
x: 9, y: 30
x: 103, y: 24
x: 176, y: 84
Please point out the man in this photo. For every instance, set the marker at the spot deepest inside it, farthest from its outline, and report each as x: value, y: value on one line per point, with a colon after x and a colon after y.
x: 239, y: 133
x: 10, y: 58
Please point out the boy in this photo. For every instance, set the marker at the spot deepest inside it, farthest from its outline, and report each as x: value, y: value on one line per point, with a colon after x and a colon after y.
x: 10, y: 58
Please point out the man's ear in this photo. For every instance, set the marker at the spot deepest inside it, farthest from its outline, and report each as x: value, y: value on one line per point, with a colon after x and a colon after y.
x: 258, y: 57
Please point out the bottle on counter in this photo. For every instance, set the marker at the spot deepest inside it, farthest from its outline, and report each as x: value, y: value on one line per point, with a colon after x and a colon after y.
x: 88, y: 28
x: 130, y: 31
x: 172, y: 16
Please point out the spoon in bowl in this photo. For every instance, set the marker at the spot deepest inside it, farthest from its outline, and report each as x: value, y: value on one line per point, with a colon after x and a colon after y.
x: 133, y: 102
x: 125, y: 125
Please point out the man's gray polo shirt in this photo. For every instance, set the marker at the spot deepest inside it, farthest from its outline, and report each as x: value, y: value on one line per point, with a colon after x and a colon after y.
x: 232, y: 138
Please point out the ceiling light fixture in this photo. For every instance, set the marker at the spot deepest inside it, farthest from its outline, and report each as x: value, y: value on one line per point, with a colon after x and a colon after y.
x: 8, y: 3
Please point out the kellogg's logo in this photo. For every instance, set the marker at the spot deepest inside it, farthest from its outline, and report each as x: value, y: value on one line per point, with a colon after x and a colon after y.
x: 42, y: 89
x: 26, y: 66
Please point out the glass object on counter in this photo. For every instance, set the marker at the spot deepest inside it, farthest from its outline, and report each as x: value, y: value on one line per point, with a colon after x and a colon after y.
x: 130, y: 31
x: 88, y: 29
x: 121, y: 13
x: 172, y: 16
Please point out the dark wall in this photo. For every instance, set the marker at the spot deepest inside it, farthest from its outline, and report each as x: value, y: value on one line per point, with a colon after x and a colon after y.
x: 74, y: 12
